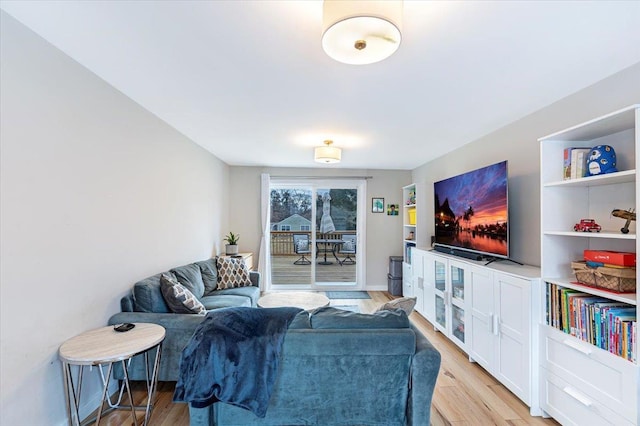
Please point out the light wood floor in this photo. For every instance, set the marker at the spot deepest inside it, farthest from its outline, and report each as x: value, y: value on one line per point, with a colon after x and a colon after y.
x: 465, y: 393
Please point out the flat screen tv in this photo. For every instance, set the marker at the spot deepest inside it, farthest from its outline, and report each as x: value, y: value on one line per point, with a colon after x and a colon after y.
x: 472, y: 213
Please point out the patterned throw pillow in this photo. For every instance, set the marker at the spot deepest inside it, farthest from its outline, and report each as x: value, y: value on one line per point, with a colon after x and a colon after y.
x: 232, y: 272
x: 404, y: 303
x: 178, y: 297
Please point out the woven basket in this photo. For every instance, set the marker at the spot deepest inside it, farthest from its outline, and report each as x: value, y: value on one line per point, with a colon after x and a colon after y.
x: 620, y: 280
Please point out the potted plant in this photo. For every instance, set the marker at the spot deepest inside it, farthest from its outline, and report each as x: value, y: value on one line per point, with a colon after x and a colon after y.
x: 232, y: 243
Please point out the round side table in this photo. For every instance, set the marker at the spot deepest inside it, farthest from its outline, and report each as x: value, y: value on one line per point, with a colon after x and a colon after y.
x: 105, y: 347
x: 300, y: 299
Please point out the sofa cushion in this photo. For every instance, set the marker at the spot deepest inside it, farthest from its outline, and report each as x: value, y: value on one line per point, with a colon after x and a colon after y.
x: 209, y: 272
x: 404, y: 303
x: 301, y: 321
x: 225, y: 301
x: 190, y: 277
x: 332, y: 318
x: 148, y: 297
x: 252, y: 292
x: 178, y: 297
x: 232, y: 272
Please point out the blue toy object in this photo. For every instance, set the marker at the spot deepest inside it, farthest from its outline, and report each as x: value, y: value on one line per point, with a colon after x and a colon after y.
x: 602, y: 159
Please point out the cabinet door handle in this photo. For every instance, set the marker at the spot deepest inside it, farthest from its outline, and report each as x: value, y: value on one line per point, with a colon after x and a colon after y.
x: 578, y: 396
x: 490, y: 324
x: 496, y: 325
x: 580, y: 348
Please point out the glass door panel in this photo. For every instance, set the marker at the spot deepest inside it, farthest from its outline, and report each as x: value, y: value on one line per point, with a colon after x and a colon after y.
x: 457, y: 282
x: 336, y: 238
x: 441, y: 312
x: 457, y: 322
x: 440, y: 278
x: 292, y: 251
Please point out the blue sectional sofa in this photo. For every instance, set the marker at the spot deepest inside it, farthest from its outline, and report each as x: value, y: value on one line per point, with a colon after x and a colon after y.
x: 145, y: 303
x: 344, y: 368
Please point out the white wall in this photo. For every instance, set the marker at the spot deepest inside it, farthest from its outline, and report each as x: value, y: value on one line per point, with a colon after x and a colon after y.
x: 518, y: 143
x: 96, y: 193
x: 384, y: 233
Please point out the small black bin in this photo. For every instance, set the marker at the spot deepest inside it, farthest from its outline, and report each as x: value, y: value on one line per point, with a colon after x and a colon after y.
x: 395, y: 285
x: 394, y: 275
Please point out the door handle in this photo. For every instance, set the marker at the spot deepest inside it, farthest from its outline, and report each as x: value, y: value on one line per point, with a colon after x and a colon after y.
x: 580, y: 348
x: 578, y: 396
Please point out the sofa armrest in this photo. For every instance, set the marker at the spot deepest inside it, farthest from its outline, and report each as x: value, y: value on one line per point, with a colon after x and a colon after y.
x: 168, y: 321
x: 179, y: 329
x: 424, y: 373
x: 254, y: 276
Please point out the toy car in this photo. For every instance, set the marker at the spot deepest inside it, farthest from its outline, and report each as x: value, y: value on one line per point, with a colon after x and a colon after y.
x: 587, y: 225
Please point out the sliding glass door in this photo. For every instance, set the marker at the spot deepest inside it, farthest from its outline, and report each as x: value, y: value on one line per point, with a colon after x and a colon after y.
x: 315, y: 240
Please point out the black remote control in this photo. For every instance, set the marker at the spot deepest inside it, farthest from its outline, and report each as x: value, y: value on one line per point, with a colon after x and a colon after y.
x: 123, y: 327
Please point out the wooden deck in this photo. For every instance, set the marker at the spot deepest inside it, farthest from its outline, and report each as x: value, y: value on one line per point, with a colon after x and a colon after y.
x: 284, y: 271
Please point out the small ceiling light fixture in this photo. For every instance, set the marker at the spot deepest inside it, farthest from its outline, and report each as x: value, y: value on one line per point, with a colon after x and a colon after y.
x: 360, y: 32
x: 327, y: 154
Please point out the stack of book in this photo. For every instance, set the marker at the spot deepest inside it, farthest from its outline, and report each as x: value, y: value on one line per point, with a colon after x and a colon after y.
x: 575, y: 162
x: 607, y: 324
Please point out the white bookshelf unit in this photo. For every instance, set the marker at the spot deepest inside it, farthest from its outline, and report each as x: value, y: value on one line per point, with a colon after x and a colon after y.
x: 409, y: 235
x: 580, y: 382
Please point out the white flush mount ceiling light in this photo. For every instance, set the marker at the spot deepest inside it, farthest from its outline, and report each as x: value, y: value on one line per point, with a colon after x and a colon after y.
x: 327, y: 154
x: 360, y: 32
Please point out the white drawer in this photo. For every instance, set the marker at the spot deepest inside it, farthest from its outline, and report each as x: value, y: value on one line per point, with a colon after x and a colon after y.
x: 597, y: 374
x: 570, y: 406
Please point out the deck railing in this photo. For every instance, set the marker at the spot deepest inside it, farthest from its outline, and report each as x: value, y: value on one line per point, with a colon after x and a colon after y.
x: 282, y: 241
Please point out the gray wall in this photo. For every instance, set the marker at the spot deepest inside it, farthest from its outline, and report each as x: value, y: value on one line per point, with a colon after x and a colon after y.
x: 384, y: 233
x: 518, y: 143
x: 96, y: 193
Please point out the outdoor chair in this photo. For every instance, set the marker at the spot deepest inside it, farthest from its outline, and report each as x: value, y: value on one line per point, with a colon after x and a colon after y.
x: 301, y: 246
x: 348, y: 248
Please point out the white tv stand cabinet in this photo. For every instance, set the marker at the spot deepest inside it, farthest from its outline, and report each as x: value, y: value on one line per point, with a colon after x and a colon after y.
x: 490, y: 311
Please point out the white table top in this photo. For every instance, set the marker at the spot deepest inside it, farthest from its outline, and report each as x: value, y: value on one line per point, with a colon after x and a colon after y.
x: 103, y: 345
x: 300, y: 299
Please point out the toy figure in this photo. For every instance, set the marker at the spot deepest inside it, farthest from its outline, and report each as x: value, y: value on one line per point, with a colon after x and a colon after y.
x: 629, y: 215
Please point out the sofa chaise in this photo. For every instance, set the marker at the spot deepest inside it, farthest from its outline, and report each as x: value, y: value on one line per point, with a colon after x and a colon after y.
x: 146, y: 303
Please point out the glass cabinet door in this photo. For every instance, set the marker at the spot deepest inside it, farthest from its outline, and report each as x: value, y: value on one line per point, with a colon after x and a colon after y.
x: 457, y: 322
x: 441, y: 312
x: 457, y: 283
x: 440, y: 278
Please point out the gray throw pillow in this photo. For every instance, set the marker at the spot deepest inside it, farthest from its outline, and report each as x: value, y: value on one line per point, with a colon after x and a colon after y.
x: 405, y: 303
x: 178, y: 297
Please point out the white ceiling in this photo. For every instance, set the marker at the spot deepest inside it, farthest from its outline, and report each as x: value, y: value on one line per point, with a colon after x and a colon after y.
x: 249, y: 81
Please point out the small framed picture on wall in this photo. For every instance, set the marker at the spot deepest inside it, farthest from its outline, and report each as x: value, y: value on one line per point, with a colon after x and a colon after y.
x: 392, y: 209
x: 377, y: 205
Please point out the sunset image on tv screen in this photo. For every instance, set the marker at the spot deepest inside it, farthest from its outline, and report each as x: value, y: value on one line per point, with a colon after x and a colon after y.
x: 471, y: 210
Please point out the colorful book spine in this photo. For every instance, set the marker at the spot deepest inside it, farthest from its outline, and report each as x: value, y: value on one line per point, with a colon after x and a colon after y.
x: 579, y: 158
x: 609, y: 325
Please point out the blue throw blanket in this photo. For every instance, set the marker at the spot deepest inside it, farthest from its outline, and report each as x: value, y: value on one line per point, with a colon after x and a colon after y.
x: 233, y: 357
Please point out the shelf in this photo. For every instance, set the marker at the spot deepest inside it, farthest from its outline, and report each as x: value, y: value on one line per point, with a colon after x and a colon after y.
x: 605, y: 234
x: 607, y: 179
x: 570, y: 282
